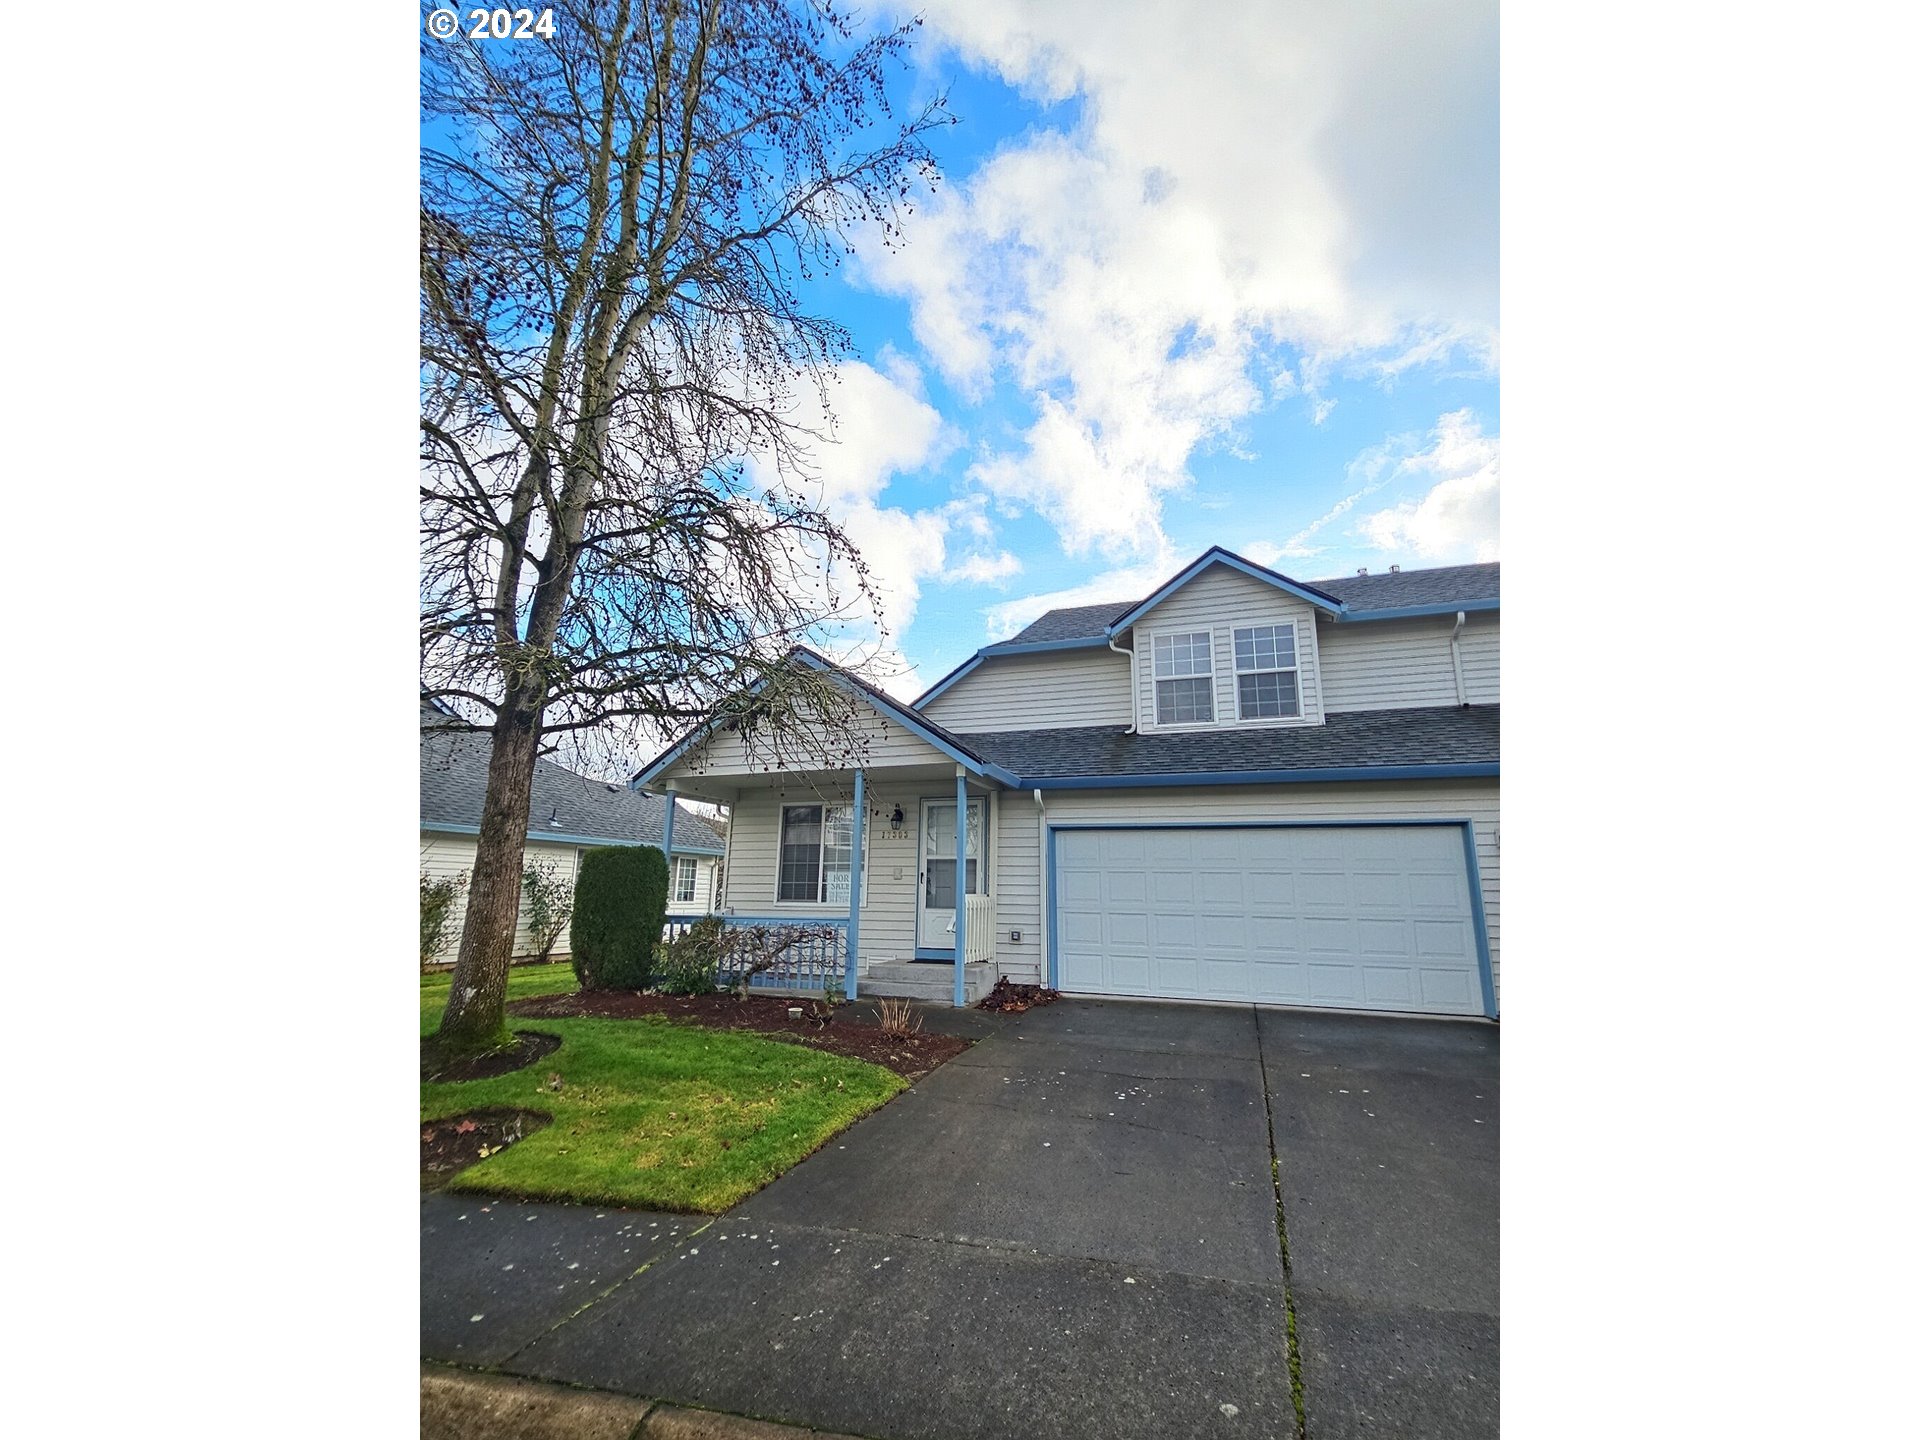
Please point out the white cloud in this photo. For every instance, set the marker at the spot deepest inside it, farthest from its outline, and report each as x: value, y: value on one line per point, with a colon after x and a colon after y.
x: 1458, y: 519
x: 880, y: 429
x: 1243, y: 182
x: 986, y: 569
x: 1131, y: 582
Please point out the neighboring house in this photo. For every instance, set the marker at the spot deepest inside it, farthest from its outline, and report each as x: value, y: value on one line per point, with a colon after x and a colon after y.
x: 1243, y: 787
x: 570, y: 813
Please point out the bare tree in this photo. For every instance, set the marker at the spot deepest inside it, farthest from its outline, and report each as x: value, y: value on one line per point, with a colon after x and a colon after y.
x: 614, y: 226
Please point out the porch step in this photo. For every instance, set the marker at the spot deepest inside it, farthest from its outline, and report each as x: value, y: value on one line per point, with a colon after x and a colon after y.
x: 929, y: 984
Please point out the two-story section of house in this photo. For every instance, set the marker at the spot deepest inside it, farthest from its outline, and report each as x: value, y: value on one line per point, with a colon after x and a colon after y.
x: 1243, y: 787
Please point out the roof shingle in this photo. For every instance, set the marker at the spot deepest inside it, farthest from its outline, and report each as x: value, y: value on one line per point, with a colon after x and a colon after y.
x: 453, y: 786
x: 1446, y: 735
x: 1443, y: 585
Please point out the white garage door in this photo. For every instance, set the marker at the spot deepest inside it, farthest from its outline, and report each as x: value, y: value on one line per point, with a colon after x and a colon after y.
x: 1356, y: 917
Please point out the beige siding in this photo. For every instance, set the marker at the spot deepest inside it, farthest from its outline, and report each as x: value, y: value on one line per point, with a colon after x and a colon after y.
x: 873, y: 741
x: 1216, y: 602
x: 443, y: 856
x: 1475, y: 800
x: 1406, y: 664
x: 890, y: 888
x: 1480, y: 658
x: 1019, y: 880
x: 1063, y: 689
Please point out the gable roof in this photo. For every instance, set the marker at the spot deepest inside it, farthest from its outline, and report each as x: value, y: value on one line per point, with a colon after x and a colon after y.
x: 1395, y: 595
x: 900, y: 713
x: 1430, y: 743
x: 1219, y: 555
x: 566, y: 807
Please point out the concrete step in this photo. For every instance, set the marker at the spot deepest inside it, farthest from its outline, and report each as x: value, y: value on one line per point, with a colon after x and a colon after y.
x: 929, y: 984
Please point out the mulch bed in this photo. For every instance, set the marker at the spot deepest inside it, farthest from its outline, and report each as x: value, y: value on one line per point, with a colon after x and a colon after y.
x: 1016, y: 999
x: 450, y: 1145
x: 528, y: 1046
x: 911, y: 1055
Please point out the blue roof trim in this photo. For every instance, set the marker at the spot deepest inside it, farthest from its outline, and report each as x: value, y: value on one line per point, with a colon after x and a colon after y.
x: 1006, y: 647
x: 1326, y: 773
x: 1407, y: 612
x: 1219, y: 556
x: 449, y: 828
x: 901, y: 715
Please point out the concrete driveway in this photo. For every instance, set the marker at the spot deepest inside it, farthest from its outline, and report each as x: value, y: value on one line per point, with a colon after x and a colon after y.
x: 1071, y: 1230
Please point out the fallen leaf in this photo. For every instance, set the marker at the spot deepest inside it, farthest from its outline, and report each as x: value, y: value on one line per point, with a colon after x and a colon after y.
x: 465, y: 1127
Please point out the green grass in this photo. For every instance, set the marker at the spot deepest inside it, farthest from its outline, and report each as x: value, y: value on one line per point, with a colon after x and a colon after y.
x: 522, y: 981
x: 655, y: 1114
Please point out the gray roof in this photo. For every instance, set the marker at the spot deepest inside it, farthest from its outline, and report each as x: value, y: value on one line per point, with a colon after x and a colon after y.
x: 1445, y: 735
x: 453, y: 784
x: 1445, y: 585
x: 1075, y: 622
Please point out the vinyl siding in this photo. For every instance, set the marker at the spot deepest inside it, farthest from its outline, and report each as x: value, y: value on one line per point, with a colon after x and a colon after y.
x: 1405, y: 664
x: 874, y: 742
x: 443, y: 856
x: 1217, y: 602
x: 1065, y: 689
x: 889, y: 893
x: 1478, y: 801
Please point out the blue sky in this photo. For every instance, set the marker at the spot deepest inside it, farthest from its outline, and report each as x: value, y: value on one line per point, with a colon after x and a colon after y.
x: 1194, y: 276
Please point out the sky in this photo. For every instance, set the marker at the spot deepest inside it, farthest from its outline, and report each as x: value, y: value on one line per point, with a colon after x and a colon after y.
x: 1194, y: 275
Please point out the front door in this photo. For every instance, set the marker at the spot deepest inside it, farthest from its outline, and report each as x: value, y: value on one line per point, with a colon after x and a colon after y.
x: 937, y: 868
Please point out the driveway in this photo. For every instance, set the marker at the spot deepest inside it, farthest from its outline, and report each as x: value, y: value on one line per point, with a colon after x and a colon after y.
x: 1070, y: 1230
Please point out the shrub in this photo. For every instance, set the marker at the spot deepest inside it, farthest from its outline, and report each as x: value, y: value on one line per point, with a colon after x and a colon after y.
x: 436, y: 904
x: 547, y: 900
x: 690, y: 965
x: 619, y: 905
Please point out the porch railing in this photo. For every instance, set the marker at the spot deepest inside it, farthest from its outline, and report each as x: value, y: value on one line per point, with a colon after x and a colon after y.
x: 980, y: 921
x: 809, y: 965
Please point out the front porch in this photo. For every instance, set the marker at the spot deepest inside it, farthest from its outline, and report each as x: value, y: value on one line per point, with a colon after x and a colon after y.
x: 869, y: 859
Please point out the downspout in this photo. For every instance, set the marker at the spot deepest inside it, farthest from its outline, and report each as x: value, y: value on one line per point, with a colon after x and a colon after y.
x: 1133, y: 692
x: 1040, y: 863
x: 1453, y: 644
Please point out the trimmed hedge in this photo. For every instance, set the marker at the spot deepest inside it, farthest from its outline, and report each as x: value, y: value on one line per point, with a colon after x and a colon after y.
x: 619, y: 907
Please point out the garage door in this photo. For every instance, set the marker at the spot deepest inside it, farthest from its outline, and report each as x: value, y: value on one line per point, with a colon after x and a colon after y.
x: 1355, y: 917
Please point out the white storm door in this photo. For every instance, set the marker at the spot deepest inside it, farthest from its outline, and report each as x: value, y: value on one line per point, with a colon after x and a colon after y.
x: 937, y: 869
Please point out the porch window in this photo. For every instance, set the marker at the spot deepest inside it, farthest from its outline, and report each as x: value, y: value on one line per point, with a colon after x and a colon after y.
x: 1183, y: 679
x: 816, y: 854
x: 685, y: 876
x: 1266, y: 672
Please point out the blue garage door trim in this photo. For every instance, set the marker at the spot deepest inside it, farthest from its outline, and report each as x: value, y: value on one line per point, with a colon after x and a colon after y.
x: 1467, y: 842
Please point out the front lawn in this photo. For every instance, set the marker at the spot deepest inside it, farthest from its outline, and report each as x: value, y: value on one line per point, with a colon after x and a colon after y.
x: 522, y: 981
x: 655, y: 1114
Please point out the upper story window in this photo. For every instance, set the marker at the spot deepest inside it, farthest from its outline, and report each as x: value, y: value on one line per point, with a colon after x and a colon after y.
x: 1266, y: 672
x: 685, y: 878
x: 1183, y: 679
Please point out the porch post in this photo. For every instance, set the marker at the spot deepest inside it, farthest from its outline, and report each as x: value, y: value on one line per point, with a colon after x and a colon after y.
x: 960, y: 887
x: 853, y: 887
x: 666, y: 840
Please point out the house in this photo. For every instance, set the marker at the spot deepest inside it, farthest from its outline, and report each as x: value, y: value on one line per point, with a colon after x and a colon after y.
x: 1243, y: 787
x: 570, y: 813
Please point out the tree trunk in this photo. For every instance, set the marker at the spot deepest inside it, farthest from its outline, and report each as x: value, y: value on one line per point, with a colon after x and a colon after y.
x: 476, y: 1013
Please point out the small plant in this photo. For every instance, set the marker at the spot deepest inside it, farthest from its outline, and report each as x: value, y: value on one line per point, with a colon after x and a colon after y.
x: 690, y: 964
x: 546, y: 899
x: 436, y: 905
x: 834, y: 991
x: 898, y: 1018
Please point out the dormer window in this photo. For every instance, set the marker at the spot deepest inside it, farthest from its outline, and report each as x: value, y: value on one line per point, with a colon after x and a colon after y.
x: 1266, y: 672
x: 1183, y: 679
